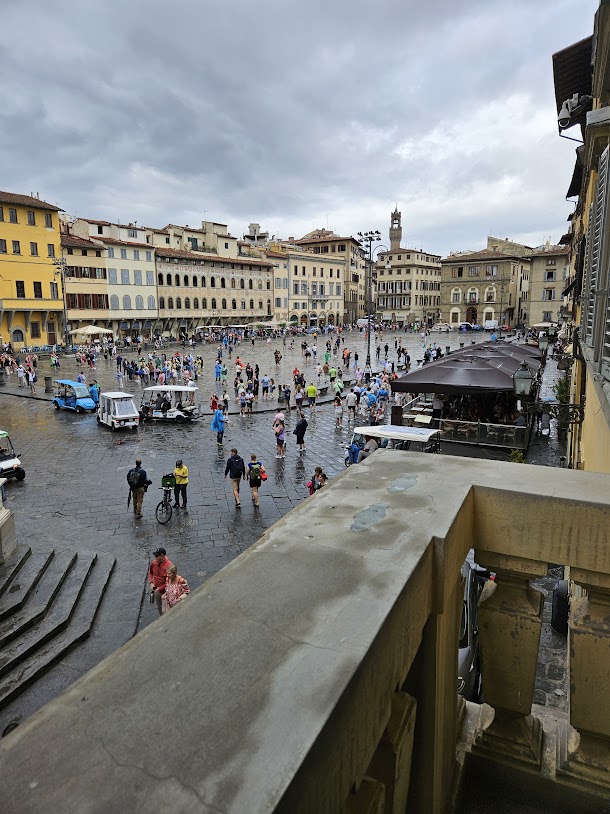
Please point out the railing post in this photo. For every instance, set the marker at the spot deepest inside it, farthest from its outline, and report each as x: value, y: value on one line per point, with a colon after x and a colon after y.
x: 509, y: 633
x: 585, y: 760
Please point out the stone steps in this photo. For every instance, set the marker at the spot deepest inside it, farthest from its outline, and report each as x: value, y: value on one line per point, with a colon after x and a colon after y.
x: 53, y: 610
x: 24, y: 583
x: 39, y: 600
x: 9, y: 569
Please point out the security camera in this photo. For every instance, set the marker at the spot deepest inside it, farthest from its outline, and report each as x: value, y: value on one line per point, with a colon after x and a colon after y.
x: 573, y: 109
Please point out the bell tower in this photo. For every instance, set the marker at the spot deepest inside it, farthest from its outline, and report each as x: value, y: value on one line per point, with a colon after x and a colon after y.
x: 395, y: 230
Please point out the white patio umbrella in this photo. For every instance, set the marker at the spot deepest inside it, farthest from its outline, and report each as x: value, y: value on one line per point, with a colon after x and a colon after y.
x: 90, y: 330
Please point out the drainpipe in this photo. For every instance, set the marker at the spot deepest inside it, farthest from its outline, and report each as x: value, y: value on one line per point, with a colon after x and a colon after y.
x: 574, y: 462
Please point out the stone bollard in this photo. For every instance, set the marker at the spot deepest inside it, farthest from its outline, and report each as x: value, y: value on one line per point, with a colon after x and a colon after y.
x: 2, y: 378
x: 48, y: 384
x: 461, y: 344
x: 447, y: 349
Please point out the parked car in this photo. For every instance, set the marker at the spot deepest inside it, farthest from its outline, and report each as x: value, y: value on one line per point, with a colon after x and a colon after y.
x: 10, y: 465
x: 117, y: 410
x: 465, y: 326
x: 441, y: 327
x: 469, y: 680
x: 477, y: 327
x: 69, y: 395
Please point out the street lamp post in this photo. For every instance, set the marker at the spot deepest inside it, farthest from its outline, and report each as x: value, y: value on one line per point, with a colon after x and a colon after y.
x: 60, y: 271
x: 367, y: 240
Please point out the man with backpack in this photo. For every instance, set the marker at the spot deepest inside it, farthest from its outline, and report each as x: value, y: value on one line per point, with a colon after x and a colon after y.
x: 255, y: 477
x: 138, y: 483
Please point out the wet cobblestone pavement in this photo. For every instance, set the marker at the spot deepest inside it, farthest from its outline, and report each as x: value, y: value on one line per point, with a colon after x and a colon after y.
x: 75, y: 491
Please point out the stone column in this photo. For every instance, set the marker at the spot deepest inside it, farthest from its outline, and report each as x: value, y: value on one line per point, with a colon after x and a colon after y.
x: 509, y: 636
x: 391, y: 763
x: 368, y: 799
x: 8, y: 534
x: 584, y: 757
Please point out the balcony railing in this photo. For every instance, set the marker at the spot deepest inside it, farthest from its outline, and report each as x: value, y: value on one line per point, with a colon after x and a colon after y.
x: 317, y: 672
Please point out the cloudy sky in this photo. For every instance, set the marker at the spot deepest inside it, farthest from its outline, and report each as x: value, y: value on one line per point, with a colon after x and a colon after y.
x: 293, y: 114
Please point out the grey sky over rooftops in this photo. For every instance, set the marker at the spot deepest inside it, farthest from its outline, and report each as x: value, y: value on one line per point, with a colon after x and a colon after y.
x: 293, y: 114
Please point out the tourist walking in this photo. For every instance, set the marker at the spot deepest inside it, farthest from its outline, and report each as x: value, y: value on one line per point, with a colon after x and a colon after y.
x: 218, y: 424
x: 176, y: 589
x: 157, y: 576
x: 338, y: 402
x: 299, y: 431
x: 312, y: 392
x: 256, y: 471
x: 279, y: 429
x: 237, y: 471
x: 138, y: 484
x: 181, y: 476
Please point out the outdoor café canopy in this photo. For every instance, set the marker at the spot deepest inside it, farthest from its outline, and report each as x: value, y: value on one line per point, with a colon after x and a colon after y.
x: 91, y: 330
x: 485, y: 368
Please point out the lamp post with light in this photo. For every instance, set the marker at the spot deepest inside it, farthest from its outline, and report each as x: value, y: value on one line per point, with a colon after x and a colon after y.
x: 367, y: 241
x: 60, y: 271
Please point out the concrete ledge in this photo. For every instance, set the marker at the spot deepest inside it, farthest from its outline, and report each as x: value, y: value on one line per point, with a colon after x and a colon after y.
x: 273, y: 680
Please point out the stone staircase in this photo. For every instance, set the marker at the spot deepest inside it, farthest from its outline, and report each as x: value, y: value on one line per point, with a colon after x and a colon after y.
x: 48, y: 604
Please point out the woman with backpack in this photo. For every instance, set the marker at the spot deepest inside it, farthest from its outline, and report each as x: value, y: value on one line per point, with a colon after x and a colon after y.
x: 256, y: 475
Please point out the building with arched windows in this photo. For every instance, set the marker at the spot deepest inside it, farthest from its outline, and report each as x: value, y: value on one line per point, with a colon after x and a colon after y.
x: 487, y: 286
x: 308, y: 287
x: 192, y: 279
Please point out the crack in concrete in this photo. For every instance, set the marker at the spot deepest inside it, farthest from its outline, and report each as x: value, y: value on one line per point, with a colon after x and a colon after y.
x: 153, y: 776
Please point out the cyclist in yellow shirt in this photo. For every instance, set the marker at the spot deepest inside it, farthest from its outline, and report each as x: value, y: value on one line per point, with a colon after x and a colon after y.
x: 181, y: 474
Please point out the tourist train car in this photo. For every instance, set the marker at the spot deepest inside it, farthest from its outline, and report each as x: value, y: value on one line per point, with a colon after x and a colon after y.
x: 10, y: 465
x: 69, y: 395
x: 117, y: 410
x: 168, y: 402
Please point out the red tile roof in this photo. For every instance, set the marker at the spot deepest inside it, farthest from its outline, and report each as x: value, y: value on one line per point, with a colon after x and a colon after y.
x: 116, y: 242
x: 75, y: 242
x: 186, y: 255
x: 485, y: 254
x: 552, y: 250
x: 27, y: 200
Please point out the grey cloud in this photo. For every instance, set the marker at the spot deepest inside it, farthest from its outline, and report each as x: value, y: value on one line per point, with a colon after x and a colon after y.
x: 283, y: 112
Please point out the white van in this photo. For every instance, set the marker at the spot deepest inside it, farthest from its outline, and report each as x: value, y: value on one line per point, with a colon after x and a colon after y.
x: 491, y: 324
x: 117, y: 410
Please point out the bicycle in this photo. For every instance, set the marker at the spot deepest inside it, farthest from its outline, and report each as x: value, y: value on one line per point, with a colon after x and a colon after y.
x: 164, y: 510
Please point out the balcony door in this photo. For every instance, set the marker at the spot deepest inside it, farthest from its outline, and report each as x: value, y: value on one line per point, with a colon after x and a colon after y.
x: 471, y: 314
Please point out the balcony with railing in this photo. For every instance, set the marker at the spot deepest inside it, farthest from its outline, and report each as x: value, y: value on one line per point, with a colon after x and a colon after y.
x: 318, y: 671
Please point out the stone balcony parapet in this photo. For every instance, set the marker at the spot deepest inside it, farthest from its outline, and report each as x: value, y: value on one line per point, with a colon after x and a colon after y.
x: 318, y: 669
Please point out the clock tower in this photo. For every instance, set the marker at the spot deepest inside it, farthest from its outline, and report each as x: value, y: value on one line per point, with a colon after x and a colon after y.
x: 395, y: 230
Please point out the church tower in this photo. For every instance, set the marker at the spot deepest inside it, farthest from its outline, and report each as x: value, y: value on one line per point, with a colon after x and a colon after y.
x: 395, y: 230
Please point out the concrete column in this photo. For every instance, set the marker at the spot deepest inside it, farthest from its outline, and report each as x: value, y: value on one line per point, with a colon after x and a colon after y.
x: 584, y: 757
x: 391, y: 763
x: 369, y: 799
x: 8, y: 534
x: 509, y: 635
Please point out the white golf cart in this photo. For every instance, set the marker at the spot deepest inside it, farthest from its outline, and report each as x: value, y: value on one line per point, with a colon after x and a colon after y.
x: 391, y: 436
x: 169, y: 402
x: 10, y: 465
x: 117, y: 410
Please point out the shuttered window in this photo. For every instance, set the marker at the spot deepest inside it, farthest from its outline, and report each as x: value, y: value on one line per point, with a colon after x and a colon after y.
x: 596, y: 250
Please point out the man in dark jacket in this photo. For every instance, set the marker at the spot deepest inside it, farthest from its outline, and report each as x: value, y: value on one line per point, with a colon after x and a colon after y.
x: 138, y: 488
x: 236, y: 471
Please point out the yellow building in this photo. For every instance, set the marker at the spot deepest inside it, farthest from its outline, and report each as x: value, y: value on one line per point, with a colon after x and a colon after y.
x: 582, y: 96
x: 31, y: 306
